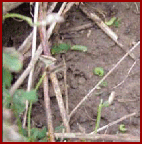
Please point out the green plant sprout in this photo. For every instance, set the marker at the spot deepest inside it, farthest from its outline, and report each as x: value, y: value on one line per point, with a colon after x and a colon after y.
x: 114, y: 21
x: 122, y: 128
x: 101, y: 105
x: 53, y: 17
x: 98, y: 71
x: 63, y: 48
x: 12, y: 62
x: 111, y: 21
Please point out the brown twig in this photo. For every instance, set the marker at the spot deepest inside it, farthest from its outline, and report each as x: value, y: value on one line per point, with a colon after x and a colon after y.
x: 52, y: 7
x: 78, y: 28
x: 48, y: 109
x: 26, y: 71
x: 92, y: 90
x: 108, y: 137
x: 55, y: 81
x: 126, y: 75
x: 114, y: 122
x: 101, y: 24
x: 105, y: 28
x: 60, y: 100
x: 46, y: 50
x: 66, y: 89
x: 68, y: 7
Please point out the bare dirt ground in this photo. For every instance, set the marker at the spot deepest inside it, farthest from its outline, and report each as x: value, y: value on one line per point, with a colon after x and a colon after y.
x: 102, y: 52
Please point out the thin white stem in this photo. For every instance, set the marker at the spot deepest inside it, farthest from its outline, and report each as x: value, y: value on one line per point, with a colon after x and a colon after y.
x: 114, y: 122
x: 126, y: 75
x: 30, y: 79
x: 92, y: 90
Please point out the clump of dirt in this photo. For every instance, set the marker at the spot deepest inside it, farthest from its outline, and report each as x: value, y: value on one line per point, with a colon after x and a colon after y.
x: 102, y: 52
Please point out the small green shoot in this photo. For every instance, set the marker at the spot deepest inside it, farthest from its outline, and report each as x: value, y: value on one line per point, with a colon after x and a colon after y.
x: 60, y: 48
x: 63, y: 48
x: 98, y: 71
x: 101, y: 105
x: 79, y: 48
x: 12, y: 60
x: 111, y: 21
x: 117, y: 23
x: 15, y: 15
x: 114, y: 21
x: 122, y: 128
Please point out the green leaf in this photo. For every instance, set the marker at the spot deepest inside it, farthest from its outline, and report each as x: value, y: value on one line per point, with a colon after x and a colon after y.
x: 12, y: 60
x: 79, y: 48
x: 117, y: 23
x: 6, y: 98
x: 42, y: 133
x: 111, y: 21
x: 24, y: 132
x: 30, y: 96
x: 38, y: 133
x: 19, y: 101
x: 34, y: 133
x: 98, y: 71
x: 122, y: 128
x: 60, y: 48
x: 7, y: 78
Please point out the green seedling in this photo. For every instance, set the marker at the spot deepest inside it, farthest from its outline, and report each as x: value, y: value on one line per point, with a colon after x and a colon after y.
x: 101, y: 105
x: 98, y: 71
x: 63, y: 48
x: 79, y: 48
x: 114, y: 21
x: 15, y: 15
x: 111, y: 21
x: 12, y: 60
x: 122, y: 128
x: 60, y: 48
x: 117, y: 23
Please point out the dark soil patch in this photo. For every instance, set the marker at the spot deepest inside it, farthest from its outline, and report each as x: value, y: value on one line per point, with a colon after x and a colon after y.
x: 102, y: 52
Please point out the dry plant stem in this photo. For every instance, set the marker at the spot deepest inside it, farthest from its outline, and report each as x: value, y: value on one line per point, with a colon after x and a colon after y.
x: 66, y: 89
x: 34, y: 60
x: 78, y: 28
x: 48, y: 109
x: 101, y: 24
x: 26, y: 71
x: 115, y: 122
x: 46, y: 49
x: 108, y: 137
x: 52, y: 26
x: 105, y: 28
x: 126, y: 75
x: 52, y: 7
x: 55, y: 81
x: 68, y: 7
x: 92, y: 90
x: 30, y: 79
x: 60, y: 100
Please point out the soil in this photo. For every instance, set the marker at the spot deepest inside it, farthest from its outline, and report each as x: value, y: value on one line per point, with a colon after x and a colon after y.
x: 102, y: 52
